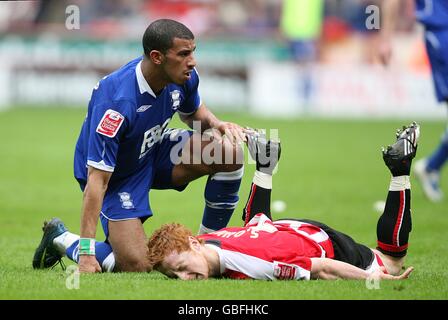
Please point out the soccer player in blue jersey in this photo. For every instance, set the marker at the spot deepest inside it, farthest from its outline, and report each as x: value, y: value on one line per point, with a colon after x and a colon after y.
x: 433, y: 14
x: 125, y: 149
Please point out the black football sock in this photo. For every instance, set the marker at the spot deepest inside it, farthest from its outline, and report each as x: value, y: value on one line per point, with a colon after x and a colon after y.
x: 259, y: 200
x: 395, y: 223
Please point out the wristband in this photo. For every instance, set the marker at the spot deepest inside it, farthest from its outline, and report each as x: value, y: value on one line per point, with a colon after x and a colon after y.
x: 86, y: 247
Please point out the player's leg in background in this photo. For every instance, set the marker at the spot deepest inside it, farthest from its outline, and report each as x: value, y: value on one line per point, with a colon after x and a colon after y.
x: 439, y: 157
x: 395, y: 223
x: 427, y: 170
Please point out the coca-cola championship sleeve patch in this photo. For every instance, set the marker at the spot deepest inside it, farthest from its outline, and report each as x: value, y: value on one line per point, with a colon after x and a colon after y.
x: 110, y: 123
x: 286, y: 271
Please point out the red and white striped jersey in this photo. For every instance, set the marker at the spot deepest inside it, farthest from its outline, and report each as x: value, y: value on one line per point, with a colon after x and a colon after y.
x: 280, y: 250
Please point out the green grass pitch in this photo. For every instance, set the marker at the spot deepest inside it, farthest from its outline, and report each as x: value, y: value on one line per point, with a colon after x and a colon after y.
x: 331, y: 170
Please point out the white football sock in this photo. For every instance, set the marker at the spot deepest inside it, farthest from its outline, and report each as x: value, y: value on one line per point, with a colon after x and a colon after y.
x: 399, y: 183
x: 64, y: 241
x: 108, y: 264
x: 263, y: 180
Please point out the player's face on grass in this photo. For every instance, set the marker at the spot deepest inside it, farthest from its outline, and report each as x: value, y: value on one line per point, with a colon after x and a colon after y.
x: 179, y: 61
x: 187, y: 265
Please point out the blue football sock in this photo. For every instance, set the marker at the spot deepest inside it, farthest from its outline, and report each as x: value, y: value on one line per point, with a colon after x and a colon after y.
x: 103, y: 254
x: 221, y: 199
x: 439, y: 157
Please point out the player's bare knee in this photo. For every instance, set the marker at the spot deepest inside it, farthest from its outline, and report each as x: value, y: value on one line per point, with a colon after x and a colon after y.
x: 133, y: 265
x: 227, y: 167
x: 232, y: 158
x: 141, y: 266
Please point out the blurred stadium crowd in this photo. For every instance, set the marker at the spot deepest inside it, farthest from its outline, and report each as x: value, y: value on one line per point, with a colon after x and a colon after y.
x: 242, y: 44
x: 324, y: 20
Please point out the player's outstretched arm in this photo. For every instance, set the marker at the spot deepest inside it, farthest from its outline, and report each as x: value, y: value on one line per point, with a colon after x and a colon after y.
x: 96, y: 187
x: 329, y: 269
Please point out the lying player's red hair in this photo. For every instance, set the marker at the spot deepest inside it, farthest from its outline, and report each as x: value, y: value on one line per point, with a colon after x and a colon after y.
x: 168, y: 238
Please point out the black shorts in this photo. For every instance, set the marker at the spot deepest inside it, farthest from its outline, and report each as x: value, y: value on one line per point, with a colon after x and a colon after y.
x: 345, y: 248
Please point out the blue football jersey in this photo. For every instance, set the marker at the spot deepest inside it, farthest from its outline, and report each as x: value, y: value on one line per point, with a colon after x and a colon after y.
x: 125, y: 121
x: 432, y: 13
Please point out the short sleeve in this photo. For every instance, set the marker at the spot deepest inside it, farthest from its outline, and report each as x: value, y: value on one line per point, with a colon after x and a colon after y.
x: 108, y: 123
x: 192, y: 99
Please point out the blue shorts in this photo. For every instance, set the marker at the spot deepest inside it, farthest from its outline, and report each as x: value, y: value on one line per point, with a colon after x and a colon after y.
x: 129, y: 198
x: 437, y: 48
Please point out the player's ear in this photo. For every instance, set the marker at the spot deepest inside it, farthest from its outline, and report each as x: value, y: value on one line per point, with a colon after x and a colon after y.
x: 156, y: 57
x: 194, y: 243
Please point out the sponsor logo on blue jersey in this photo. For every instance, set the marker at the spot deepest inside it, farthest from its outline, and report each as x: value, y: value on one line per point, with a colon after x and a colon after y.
x: 151, y: 137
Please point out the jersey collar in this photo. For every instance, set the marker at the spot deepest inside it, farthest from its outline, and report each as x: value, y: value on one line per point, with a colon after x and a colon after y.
x: 142, y: 83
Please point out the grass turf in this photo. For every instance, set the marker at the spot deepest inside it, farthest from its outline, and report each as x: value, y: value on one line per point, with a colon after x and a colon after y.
x: 331, y: 170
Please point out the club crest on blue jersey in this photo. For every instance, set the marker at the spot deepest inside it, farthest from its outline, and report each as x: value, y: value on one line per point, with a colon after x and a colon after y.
x: 175, y: 98
x: 126, y: 200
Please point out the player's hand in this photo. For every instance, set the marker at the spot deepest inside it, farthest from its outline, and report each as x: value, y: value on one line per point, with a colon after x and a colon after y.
x: 381, y: 275
x: 384, y: 51
x: 88, y: 264
x: 233, y: 132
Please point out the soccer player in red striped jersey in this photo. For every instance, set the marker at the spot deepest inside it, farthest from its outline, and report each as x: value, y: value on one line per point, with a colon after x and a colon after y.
x: 289, y: 249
